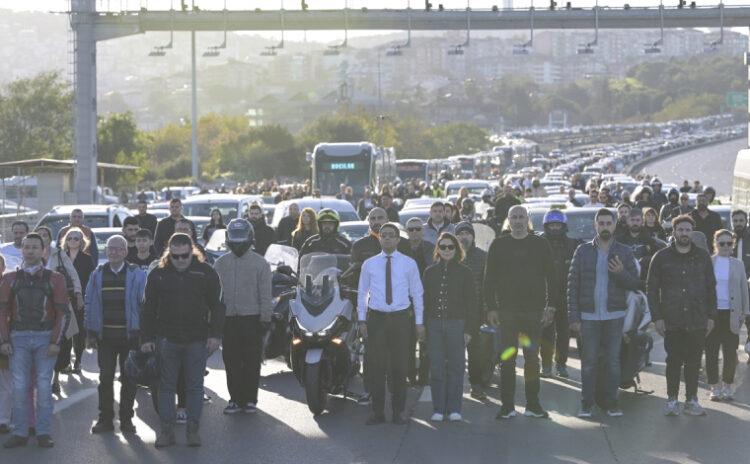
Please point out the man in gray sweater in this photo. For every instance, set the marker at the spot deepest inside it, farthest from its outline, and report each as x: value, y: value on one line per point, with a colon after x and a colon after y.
x: 246, y: 291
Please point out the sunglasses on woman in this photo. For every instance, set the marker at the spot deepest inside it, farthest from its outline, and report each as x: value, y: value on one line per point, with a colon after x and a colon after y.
x: 447, y: 247
x: 725, y: 244
x: 73, y: 237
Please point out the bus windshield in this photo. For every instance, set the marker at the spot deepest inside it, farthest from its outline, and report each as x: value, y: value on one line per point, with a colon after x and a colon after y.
x: 408, y: 170
x: 332, y: 171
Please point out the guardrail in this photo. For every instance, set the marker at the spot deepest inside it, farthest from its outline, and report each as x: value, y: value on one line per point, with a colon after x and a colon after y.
x: 638, y: 165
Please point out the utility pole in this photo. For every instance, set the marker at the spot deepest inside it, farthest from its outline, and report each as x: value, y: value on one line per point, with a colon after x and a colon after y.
x: 194, y: 111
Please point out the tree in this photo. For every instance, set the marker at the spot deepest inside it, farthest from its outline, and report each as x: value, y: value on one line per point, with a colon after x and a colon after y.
x: 333, y: 128
x: 36, y: 120
x: 117, y: 134
x: 263, y: 152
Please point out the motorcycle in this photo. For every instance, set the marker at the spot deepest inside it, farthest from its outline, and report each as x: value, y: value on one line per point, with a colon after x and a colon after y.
x: 278, y: 339
x: 325, y: 347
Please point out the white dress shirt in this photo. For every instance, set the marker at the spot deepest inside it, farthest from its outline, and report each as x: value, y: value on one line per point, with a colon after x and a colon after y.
x: 405, y: 283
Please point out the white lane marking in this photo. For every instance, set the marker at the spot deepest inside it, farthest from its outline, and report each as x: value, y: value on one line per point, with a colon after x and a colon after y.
x: 76, y: 397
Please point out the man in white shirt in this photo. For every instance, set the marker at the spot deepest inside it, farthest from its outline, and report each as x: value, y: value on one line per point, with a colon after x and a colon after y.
x: 12, y: 250
x: 388, y: 284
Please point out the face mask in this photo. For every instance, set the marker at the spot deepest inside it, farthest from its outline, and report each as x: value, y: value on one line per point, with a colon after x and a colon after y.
x: 239, y: 248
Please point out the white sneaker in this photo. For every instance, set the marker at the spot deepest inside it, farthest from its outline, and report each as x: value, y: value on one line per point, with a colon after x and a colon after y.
x: 692, y: 408
x: 672, y: 408
x: 716, y: 392
x: 437, y: 417
x: 727, y: 393
x: 455, y: 417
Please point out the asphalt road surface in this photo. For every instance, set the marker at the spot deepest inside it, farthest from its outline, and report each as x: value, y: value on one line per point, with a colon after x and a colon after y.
x: 284, y: 431
x: 712, y: 165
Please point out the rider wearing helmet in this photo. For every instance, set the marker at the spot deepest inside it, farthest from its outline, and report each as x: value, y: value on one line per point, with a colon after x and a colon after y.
x: 246, y: 292
x: 556, y: 336
x: 328, y: 240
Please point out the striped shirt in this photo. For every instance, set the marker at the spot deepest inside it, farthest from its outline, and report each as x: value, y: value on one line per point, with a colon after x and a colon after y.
x: 113, y: 303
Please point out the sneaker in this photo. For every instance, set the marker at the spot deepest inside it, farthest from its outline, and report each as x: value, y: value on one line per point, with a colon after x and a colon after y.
x: 206, y: 397
x: 437, y: 417
x: 614, y: 412
x: 478, y: 393
x: 102, y: 426
x: 455, y: 417
x: 364, y: 400
x: 506, y: 412
x: 536, y: 411
x: 585, y: 412
x: 546, y: 372
x: 251, y: 408
x: 716, y: 393
x: 232, y: 408
x: 672, y: 407
x: 727, y: 393
x: 45, y: 441
x: 692, y: 408
x: 562, y: 371
x: 181, y: 416
x: 165, y: 438
x: 15, y: 441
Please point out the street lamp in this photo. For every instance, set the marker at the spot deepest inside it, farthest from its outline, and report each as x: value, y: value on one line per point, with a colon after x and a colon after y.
x: 587, y: 48
x: 655, y: 47
x: 525, y: 48
x: 334, y: 50
x: 458, y: 49
x: 271, y: 50
x: 395, y: 50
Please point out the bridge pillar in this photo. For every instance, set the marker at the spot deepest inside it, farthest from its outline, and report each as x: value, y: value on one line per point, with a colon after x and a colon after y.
x: 84, y: 82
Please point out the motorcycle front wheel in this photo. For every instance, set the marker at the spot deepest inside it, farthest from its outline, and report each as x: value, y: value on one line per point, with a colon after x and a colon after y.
x: 317, y: 396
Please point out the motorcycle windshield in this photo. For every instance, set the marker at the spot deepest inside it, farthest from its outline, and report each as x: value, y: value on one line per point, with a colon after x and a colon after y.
x: 318, y: 277
x: 281, y: 255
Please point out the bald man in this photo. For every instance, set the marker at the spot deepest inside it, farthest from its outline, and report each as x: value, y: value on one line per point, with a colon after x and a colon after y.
x: 518, y: 281
x: 112, y: 323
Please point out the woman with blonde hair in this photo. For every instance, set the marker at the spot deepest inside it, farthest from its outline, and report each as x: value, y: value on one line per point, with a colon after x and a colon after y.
x: 733, y: 306
x: 307, y: 226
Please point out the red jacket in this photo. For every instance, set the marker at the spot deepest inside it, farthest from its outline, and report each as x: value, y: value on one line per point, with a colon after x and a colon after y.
x: 54, y: 314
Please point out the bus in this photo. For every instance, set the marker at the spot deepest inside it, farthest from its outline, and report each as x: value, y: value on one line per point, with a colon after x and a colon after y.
x: 357, y: 165
x: 408, y: 169
x: 741, y: 181
x: 464, y: 164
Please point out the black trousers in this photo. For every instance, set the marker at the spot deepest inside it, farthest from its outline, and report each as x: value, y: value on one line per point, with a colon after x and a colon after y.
x: 527, y: 328
x: 721, y: 338
x: 242, y: 353
x: 684, y: 350
x: 78, y: 344
x: 386, y: 352
x: 108, y: 354
x: 556, y: 340
x: 418, y: 371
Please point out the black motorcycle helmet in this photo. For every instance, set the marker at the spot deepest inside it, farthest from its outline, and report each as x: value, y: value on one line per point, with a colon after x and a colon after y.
x: 328, y: 215
x: 240, y: 236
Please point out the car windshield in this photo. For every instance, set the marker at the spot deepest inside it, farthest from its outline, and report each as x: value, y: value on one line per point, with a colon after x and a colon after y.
x: 580, y: 223
x: 354, y: 232
x: 228, y: 209
x: 55, y: 223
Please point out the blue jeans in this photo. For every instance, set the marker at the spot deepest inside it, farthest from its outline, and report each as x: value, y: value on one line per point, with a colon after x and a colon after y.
x: 447, y: 353
x: 192, y: 357
x: 601, y: 337
x: 30, y: 359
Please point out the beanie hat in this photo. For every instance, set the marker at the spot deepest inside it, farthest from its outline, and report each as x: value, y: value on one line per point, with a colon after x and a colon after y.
x: 465, y: 226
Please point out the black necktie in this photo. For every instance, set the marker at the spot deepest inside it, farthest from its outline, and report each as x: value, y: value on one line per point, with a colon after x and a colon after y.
x: 388, y: 286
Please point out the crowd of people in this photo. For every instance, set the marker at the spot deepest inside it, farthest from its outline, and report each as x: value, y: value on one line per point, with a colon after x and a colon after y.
x: 158, y: 307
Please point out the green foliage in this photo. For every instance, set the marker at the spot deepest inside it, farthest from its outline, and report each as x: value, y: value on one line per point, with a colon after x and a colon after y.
x: 36, y: 120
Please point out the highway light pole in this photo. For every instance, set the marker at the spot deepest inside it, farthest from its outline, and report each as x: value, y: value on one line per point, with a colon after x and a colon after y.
x: 195, y: 172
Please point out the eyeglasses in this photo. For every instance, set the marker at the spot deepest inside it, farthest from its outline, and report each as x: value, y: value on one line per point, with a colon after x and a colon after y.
x: 181, y: 256
x: 388, y: 235
x: 77, y: 239
x: 725, y: 244
x: 447, y: 247
x: 414, y: 229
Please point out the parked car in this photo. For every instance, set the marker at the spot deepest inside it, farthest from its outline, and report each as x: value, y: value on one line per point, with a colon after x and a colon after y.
x: 231, y: 206
x: 94, y: 216
x: 344, y: 208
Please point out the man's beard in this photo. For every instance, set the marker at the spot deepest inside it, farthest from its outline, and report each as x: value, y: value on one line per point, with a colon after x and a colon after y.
x: 635, y: 230
x: 605, y: 235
